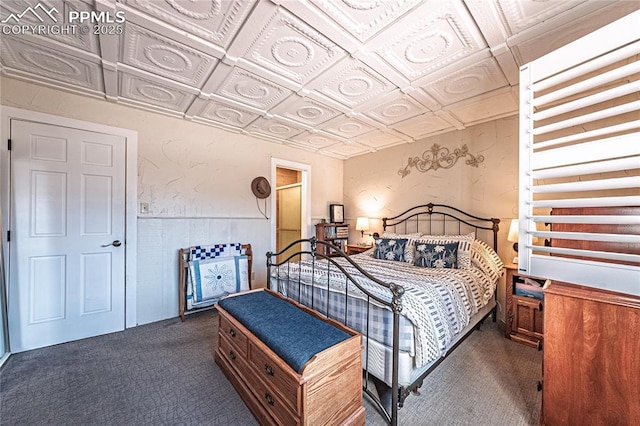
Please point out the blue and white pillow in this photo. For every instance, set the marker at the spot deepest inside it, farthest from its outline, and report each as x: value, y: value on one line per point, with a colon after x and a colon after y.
x: 464, y: 245
x: 409, y: 248
x: 390, y: 249
x: 438, y: 255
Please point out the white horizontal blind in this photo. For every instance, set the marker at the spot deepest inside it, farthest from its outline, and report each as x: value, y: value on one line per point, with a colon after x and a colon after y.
x: 580, y: 149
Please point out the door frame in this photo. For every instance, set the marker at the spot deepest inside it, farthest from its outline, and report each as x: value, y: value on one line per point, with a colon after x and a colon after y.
x: 305, y: 201
x: 131, y: 190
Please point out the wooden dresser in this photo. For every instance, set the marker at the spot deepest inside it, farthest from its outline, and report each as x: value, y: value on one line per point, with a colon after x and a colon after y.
x: 591, y: 361
x: 328, y: 390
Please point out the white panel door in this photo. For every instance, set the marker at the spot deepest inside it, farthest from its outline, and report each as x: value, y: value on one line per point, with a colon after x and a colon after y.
x: 67, y: 235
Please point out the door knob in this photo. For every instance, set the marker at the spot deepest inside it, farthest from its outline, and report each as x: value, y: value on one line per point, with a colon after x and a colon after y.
x: 115, y: 243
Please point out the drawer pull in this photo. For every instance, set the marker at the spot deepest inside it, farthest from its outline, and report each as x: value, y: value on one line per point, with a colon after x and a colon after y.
x: 232, y: 332
x: 269, y: 398
x: 232, y: 355
x: 268, y: 370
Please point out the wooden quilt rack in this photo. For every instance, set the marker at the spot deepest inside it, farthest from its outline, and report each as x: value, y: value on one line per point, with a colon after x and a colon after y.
x: 183, y: 276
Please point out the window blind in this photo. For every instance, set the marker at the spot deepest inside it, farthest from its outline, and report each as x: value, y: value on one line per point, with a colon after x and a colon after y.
x: 579, y: 188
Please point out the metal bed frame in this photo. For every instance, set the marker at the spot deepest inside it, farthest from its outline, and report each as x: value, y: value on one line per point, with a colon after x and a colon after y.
x: 428, y: 219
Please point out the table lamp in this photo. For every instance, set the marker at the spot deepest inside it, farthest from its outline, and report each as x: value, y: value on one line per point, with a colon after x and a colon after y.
x: 362, y: 224
x: 514, y: 232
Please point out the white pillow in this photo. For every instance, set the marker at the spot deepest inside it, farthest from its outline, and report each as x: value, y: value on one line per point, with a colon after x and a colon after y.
x: 486, y: 259
x: 464, y: 246
x: 409, y: 248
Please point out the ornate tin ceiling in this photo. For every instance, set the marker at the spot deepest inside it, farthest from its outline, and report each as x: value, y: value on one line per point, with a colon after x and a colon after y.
x: 341, y: 78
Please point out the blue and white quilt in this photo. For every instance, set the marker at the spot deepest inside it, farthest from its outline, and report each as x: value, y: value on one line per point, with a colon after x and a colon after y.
x: 218, y: 277
x: 214, y: 272
x: 215, y: 250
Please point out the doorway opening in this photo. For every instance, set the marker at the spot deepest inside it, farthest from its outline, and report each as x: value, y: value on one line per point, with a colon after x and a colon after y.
x: 291, y: 203
x: 288, y: 206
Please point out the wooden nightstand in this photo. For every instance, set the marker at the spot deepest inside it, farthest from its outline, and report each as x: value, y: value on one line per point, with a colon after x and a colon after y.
x: 355, y: 249
x: 525, y: 305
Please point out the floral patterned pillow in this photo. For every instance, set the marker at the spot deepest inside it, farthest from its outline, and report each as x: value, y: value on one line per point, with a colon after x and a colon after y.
x: 439, y: 255
x: 464, y: 246
x: 409, y: 247
x: 390, y: 249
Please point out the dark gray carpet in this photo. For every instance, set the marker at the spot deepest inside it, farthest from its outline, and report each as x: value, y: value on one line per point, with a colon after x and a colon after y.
x: 164, y: 374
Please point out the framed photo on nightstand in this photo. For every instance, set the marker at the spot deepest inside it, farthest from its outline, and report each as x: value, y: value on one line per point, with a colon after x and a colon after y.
x: 336, y: 213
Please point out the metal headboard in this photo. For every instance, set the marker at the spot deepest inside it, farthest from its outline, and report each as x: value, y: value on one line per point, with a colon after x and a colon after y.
x: 440, y: 219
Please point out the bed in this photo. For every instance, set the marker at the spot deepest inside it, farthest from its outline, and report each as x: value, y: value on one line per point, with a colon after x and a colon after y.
x: 427, y: 283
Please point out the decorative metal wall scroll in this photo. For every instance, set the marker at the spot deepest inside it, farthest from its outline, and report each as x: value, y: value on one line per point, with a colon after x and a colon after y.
x: 440, y: 157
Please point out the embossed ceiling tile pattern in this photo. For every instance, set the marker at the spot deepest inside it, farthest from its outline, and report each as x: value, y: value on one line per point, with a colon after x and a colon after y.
x: 468, y: 82
x: 346, y: 127
x: 352, y: 83
x: 519, y: 15
x: 149, y: 91
x: 89, y: 41
x: 162, y: 56
x: 554, y: 35
x: 279, y: 42
x: 348, y: 149
x: 86, y: 42
x: 378, y: 139
x: 436, y: 35
x: 213, y: 20
x: 30, y: 57
x: 274, y: 128
x: 422, y: 126
x: 251, y: 89
x: 363, y: 19
x: 226, y: 114
x: 305, y: 110
x: 314, y: 140
x: 398, y: 108
x: 492, y: 105
x: 337, y: 77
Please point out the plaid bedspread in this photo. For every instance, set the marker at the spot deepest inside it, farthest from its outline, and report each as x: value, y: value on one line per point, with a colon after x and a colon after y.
x: 436, y: 306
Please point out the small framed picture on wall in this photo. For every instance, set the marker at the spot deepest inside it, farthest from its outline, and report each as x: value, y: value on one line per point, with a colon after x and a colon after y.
x: 336, y: 213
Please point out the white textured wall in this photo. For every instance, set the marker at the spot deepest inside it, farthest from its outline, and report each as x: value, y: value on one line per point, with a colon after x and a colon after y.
x: 196, y: 180
x: 373, y: 187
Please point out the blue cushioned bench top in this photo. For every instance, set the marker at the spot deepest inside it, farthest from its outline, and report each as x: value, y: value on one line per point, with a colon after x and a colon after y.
x: 290, y: 332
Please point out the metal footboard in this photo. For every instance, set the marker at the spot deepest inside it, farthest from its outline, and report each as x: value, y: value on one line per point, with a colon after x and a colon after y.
x: 279, y: 270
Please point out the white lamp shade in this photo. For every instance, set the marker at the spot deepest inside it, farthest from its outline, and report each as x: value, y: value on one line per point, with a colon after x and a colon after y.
x: 362, y: 224
x: 514, y: 231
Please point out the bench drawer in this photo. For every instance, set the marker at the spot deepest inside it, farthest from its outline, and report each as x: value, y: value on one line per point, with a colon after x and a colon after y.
x: 234, y: 334
x: 277, y: 406
x: 230, y: 352
x: 276, y: 375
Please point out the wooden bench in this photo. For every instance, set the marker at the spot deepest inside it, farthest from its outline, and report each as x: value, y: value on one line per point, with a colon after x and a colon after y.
x: 290, y: 365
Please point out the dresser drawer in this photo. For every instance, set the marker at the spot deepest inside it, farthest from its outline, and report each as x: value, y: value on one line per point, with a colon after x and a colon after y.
x: 276, y: 376
x: 235, y: 335
x: 272, y: 401
x: 230, y: 352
